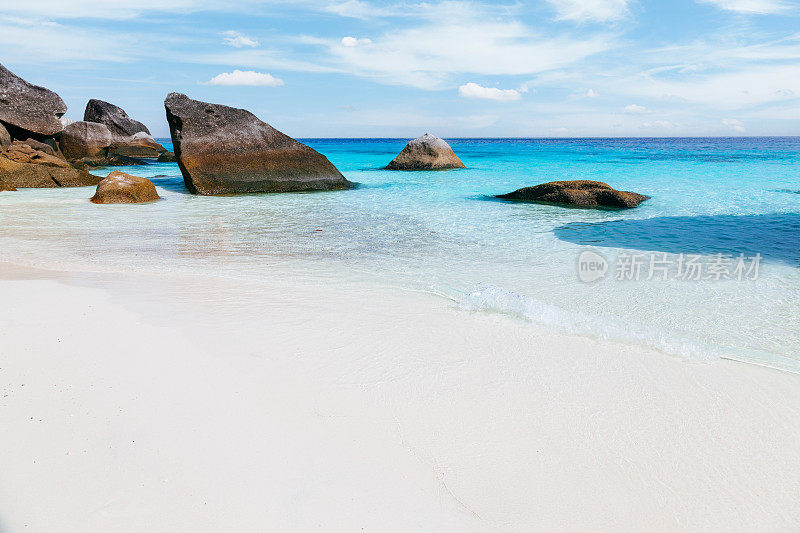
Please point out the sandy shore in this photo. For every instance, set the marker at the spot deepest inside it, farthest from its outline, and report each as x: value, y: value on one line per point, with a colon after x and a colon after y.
x: 156, y: 404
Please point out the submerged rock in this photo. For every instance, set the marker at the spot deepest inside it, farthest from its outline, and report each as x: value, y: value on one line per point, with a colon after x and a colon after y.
x: 224, y: 150
x: 85, y: 139
x: 426, y: 153
x: 121, y: 188
x: 581, y: 193
x: 29, y: 107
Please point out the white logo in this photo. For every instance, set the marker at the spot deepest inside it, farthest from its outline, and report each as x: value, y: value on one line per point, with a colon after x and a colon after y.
x: 591, y: 266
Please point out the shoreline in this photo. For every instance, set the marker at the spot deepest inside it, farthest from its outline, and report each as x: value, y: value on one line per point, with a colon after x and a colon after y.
x: 179, y: 401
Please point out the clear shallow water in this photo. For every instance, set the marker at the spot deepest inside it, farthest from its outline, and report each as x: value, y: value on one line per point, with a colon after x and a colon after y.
x: 442, y: 232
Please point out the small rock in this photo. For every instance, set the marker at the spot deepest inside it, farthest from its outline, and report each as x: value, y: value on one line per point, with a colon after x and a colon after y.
x: 167, y: 157
x: 580, y: 193
x: 121, y: 188
x: 426, y: 153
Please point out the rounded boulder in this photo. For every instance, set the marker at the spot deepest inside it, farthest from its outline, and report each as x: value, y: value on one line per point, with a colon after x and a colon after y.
x: 121, y: 188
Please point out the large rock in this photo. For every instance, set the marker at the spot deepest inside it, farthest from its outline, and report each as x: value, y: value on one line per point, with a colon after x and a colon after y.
x: 115, y: 118
x: 426, y: 153
x: 85, y: 139
x: 29, y: 107
x: 129, y: 138
x: 223, y: 150
x: 121, y: 188
x: 32, y: 174
x: 580, y: 193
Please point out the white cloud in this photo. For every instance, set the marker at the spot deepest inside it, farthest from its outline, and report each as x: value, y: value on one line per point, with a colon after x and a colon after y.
x: 237, y: 40
x: 733, y: 124
x: 635, y: 109
x: 459, y: 38
x: 590, y: 93
x: 473, y: 90
x: 247, y: 78
x: 658, y: 124
x: 591, y: 10
x: 757, y: 7
x: 352, y: 41
x: 746, y: 86
x: 359, y: 10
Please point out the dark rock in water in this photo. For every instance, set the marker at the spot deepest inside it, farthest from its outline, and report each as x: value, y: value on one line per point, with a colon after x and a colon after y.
x: 121, y: 188
x: 5, y: 187
x: 5, y: 138
x: 223, y: 150
x: 167, y: 157
x: 426, y: 153
x: 29, y: 107
x: 581, y: 193
x: 115, y: 118
x: 85, y: 139
x: 40, y: 171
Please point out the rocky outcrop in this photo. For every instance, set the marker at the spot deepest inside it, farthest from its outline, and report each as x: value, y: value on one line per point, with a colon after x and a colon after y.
x: 5, y: 138
x: 223, y: 150
x: 141, y: 145
x: 114, y: 117
x: 85, y: 139
x: 49, y: 146
x: 25, y: 152
x: 579, y: 193
x: 129, y: 138
x: 37, y: 170
x: 121, y: 188
x: 426, y: 153
x: 28, y: 107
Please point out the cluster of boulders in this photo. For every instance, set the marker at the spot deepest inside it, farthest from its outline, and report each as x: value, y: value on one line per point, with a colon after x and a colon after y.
x: 219, y: 149
x: 38, y: 150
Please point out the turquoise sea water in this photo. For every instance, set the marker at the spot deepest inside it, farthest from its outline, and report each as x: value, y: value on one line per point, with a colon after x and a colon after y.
x: 443, y: 232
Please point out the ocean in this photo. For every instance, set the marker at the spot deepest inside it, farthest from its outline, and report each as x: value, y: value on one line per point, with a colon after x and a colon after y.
x: 708, y: 268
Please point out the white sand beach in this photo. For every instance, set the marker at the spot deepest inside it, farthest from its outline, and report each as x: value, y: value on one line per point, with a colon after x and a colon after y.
x: 134, y: 403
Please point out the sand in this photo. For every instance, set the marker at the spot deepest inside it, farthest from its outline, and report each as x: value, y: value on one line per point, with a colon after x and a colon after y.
x: 131, y: 403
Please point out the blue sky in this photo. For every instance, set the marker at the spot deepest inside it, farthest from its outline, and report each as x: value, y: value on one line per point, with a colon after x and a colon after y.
x: 363, y: 68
